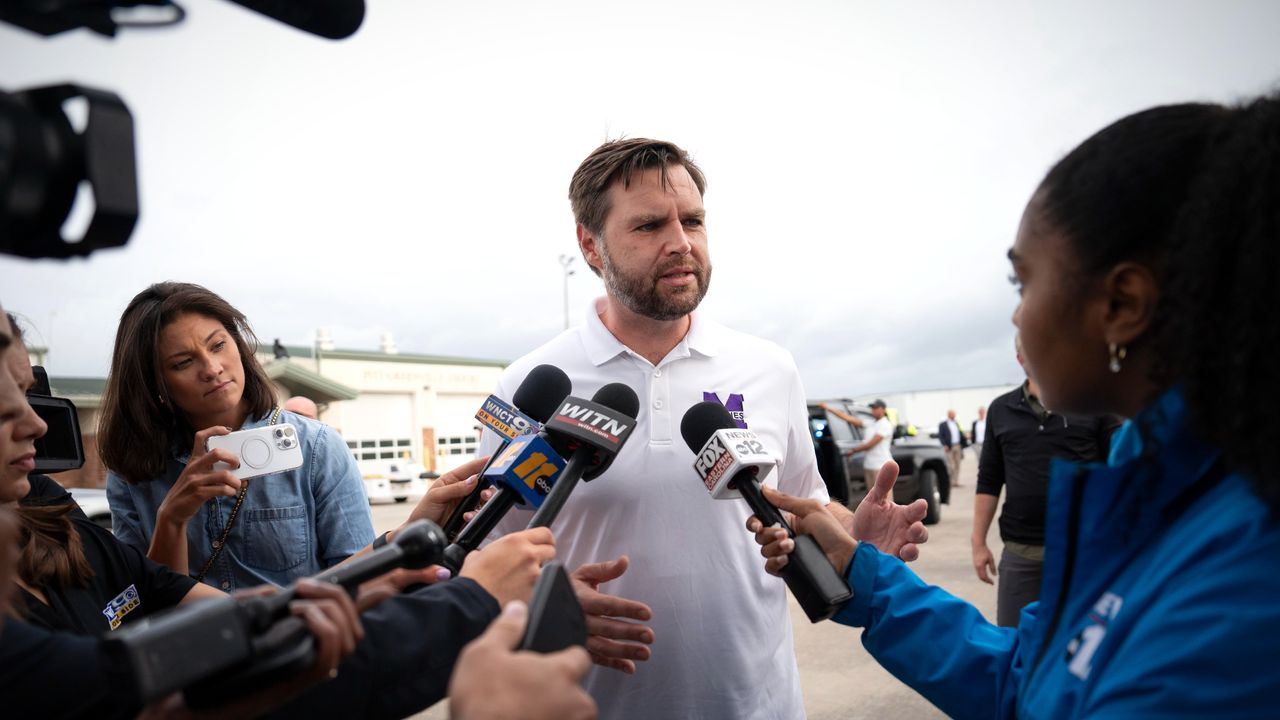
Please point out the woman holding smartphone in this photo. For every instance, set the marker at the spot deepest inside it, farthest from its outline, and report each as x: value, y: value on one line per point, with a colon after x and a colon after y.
x: 184, y: 370
x: 1145, y: 263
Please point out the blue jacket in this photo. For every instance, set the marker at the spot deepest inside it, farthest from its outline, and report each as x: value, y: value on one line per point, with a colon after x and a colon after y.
x: 1160, y: 597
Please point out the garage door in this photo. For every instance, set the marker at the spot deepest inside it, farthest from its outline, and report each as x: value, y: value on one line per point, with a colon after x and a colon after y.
x: 455, y: 428
x: 380, y: 426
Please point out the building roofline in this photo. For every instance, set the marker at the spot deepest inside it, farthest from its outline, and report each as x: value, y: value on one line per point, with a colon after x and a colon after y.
x: 305, y: 352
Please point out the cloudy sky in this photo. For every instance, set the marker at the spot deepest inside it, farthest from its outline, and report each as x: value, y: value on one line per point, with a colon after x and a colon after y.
x: 867, y: 163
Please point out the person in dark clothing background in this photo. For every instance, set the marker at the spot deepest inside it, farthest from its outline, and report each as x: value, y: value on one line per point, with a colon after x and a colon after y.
x: 1022, y: 436
x: 953, y: 443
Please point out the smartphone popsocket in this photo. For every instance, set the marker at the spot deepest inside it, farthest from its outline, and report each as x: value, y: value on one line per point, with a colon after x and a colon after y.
x: 262, y: 451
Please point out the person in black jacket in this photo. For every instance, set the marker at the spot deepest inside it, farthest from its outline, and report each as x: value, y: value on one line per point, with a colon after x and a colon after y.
x: 1022, y: 436
x: 953, y: 443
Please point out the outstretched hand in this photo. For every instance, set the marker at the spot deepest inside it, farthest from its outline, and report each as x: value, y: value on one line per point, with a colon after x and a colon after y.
x: 612, y: 642
x: 806, y: 517
x: 892, y: 528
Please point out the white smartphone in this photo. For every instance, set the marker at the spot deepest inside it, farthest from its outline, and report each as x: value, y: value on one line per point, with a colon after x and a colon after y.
x: 262, y: 451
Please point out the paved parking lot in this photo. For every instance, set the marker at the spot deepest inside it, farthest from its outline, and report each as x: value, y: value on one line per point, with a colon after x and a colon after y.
x: 839, y: 678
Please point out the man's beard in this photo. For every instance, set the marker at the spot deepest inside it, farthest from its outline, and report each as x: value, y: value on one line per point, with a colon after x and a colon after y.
x: 640, y: 295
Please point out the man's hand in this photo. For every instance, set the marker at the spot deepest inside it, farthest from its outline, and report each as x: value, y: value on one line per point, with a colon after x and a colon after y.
x: 612, y: 642
x: 509, y: 567
x: 806, y: 517
x: 983, y: 562
x: 894, y: 529
x: 492, y: 680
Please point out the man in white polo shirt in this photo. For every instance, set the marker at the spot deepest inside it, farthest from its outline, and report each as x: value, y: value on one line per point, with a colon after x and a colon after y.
x: 719, y: 630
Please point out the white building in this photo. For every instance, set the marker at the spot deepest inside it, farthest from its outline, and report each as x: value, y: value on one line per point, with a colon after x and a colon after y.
x: 389, y: 405
x: 926, y: 408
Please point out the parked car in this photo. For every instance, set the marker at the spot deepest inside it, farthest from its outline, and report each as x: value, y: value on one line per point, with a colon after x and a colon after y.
x: 922, y: 467
x: 394, y: 480
x: 93, y: 501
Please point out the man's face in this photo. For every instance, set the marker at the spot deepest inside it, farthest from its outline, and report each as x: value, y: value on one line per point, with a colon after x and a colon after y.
x: 877, y: 412
x: 652, y: 253
x: 951, y: 414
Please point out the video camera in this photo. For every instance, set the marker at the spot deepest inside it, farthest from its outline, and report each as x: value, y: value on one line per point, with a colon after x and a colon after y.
x: 61, y: 448
x: 249, y: 643
x: 50, y: 164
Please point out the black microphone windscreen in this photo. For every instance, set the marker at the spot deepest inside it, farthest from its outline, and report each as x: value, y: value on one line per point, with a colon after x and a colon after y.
x: 701, y: 421
x: 618, y: 397
x: 333, y: 19
x: 541, y: 392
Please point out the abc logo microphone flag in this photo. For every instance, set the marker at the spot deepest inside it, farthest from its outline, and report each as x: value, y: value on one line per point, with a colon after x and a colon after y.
x: 528, y: 466
x: 724, y: 455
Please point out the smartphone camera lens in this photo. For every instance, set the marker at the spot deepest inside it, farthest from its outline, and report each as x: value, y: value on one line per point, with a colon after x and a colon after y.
x: 279, y: 433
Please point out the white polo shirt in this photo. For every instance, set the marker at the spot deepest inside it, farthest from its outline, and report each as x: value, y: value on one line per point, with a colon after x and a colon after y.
x: 723, y: 646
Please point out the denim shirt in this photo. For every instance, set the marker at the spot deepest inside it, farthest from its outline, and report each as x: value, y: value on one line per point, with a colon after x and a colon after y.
x: 291, y: 525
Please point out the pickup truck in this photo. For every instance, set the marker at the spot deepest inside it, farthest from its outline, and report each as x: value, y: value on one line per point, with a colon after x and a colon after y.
x: 922, y: 467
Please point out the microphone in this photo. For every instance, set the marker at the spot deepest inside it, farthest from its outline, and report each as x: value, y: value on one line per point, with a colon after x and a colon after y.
x: 535, y: 400
x: 529, y: 470
x: 591, y: 433
x: 732, y: 462
x: 248, y: 644
x: 332, y: 19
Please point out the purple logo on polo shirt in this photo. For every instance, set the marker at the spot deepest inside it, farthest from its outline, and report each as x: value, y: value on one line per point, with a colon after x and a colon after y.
x: 733, y: 405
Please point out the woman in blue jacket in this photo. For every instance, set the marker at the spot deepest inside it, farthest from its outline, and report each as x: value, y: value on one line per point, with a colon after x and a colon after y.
x: 1145, y: 262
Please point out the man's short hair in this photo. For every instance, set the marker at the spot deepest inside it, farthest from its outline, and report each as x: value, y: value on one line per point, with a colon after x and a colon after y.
x: 621, y: 160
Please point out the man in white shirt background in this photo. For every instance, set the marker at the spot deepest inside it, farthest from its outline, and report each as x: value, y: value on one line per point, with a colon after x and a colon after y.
x: 649, y: 543
x: 979, y: 432
x: 878, y: 444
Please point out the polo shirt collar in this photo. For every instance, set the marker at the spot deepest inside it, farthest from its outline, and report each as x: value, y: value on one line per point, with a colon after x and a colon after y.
x: 601, y: 346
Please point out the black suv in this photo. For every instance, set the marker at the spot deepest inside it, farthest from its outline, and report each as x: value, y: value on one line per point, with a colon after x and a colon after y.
x: 922, y: 468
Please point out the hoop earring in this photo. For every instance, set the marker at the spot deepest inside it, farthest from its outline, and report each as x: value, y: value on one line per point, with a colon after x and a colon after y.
x: 1118, y: 354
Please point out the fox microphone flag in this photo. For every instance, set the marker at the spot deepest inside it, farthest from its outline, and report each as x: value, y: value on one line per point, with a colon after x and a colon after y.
x: 731, y: 462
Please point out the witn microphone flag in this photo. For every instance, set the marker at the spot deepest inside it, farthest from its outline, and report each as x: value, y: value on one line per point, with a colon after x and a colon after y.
x: 725, y: 454
x: 598, y: 425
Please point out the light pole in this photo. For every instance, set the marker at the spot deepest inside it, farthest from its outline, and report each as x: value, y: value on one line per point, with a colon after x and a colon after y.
x: 565, y: 262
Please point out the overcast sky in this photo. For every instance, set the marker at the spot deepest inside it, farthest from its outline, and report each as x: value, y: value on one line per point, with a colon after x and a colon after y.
x: 867, y: 163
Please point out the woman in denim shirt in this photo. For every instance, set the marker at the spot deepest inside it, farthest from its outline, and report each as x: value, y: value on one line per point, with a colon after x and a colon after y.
x: 184, y: 368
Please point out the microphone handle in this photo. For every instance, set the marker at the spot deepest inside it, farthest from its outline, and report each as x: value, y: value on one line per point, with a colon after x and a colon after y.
x: 565, y: 483
x: 479, y: 528
x: 747, y: 484
x: 813, y: 582
x: 453, y: 525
